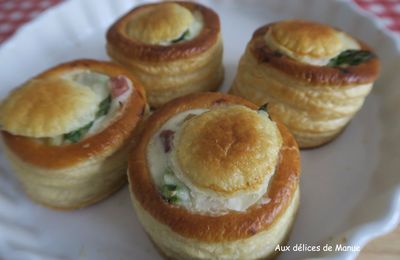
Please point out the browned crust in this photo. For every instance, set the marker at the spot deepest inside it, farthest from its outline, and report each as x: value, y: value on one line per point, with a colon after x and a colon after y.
x: 114, y: 136
x: 365, y: 72
x: 229, y: 227
x: 134, y: 49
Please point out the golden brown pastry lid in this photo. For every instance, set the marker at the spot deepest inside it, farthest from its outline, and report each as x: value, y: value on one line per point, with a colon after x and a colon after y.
x: 306, y: 38
x: 159, y: 23
x: 228, y: 150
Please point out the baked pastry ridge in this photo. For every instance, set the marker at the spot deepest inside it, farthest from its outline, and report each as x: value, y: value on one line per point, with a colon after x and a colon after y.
x: 175, y: 48
x: 212, y: 166
x: 314, y: 77
x: 69, y: 121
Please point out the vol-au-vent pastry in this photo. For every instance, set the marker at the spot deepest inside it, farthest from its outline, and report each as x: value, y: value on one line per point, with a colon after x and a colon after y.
x: 67, y: 131
x: 314, y: 77
x: 174, y: 48
x: 212, y: 176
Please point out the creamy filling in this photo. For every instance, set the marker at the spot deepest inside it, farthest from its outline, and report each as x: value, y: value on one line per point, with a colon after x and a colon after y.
x: 191, y: 32
x: 347, y: 44
x: 177, y: 189
x: 109, y: 108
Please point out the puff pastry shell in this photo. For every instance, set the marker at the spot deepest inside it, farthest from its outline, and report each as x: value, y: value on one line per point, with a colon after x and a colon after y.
x: 72, y: 175
x: 183, y: 234
x: 285, y: 65
x: 137, y: 41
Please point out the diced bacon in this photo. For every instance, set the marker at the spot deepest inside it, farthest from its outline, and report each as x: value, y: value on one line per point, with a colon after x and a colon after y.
x: 166, y: 138
x: 119, y: 85
x: 219, y: 102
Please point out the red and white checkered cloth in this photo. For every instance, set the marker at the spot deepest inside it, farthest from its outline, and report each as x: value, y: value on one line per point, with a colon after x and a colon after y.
x: 388, y: 11
x: 14, y: 13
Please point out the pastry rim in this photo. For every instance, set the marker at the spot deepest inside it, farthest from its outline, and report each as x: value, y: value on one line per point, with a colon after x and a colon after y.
x: 314, y: 75
x: 135, y: 49
x: 229, y: 227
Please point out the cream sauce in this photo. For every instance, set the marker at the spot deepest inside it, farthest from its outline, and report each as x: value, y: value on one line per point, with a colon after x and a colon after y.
x: 99, y: 84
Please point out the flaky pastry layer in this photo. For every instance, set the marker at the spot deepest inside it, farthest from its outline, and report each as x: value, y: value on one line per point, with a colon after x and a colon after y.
x: 73, y: 187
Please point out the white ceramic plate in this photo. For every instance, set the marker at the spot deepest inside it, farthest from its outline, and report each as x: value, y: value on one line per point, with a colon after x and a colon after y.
x: 350, y: 187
